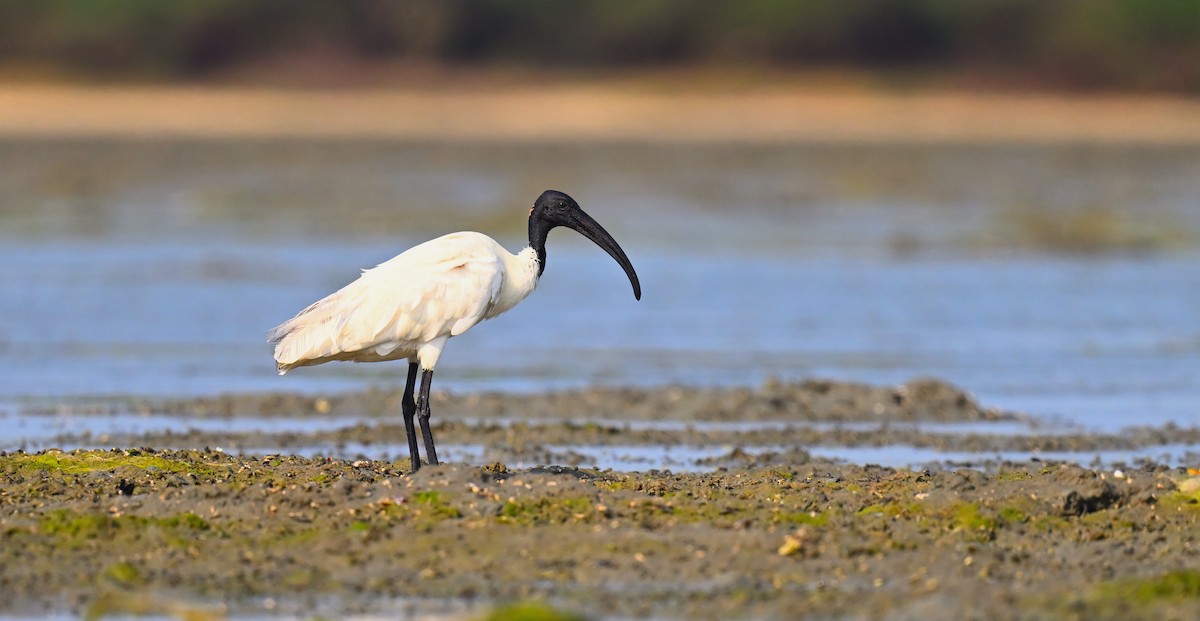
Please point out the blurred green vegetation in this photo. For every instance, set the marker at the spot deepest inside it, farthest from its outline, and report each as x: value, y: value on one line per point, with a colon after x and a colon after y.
x: 1079, y: 44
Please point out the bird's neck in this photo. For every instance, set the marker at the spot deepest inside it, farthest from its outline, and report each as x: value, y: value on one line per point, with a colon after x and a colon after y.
x: 537, y: 241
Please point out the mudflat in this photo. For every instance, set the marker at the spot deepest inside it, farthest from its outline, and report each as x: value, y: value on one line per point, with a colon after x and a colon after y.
x: 215, y: 533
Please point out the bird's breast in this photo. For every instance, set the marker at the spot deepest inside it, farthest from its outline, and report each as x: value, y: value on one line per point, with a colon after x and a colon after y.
x: 520, y: 279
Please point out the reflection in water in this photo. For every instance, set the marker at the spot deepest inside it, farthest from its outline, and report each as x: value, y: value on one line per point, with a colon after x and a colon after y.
x: 157, y: 267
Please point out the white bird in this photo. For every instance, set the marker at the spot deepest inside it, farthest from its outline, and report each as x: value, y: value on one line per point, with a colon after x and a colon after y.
x: 410, y: 305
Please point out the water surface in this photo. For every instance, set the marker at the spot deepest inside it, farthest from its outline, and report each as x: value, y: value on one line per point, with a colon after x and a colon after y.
x: 1060, y: 281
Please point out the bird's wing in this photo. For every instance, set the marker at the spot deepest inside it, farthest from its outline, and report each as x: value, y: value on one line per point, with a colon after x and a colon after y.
x: 439, y: 288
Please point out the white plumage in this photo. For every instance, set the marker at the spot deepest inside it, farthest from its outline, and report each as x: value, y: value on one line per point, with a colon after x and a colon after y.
x: 408, y: 306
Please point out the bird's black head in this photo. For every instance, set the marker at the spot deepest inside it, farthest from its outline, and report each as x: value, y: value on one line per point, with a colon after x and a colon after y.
x: 554, y: 208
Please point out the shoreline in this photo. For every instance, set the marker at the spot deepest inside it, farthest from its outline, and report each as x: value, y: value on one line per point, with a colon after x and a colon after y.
x: 923, y: 422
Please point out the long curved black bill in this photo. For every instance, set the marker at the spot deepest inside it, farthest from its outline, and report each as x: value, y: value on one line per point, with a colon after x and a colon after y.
x: 592, y: 230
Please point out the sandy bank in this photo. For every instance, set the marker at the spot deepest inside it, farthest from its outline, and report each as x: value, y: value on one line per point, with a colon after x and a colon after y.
x: 603, y: 112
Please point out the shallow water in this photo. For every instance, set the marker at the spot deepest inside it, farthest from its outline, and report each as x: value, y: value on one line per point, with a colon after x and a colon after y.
x: 641, y: 458
x: 155, y: 268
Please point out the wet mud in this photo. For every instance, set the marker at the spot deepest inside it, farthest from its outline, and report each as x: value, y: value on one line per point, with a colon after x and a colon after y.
x: 208, y: 533
x: 816, y: 400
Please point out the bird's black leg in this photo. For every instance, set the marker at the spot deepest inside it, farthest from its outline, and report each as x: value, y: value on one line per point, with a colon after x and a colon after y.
x: 423, y: 416
x: 409, y: 407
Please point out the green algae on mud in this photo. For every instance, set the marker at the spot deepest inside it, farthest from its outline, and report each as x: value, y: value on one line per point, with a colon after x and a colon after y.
x: 82, y: 462
x: 814, y: 540
x: 530, y: 611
